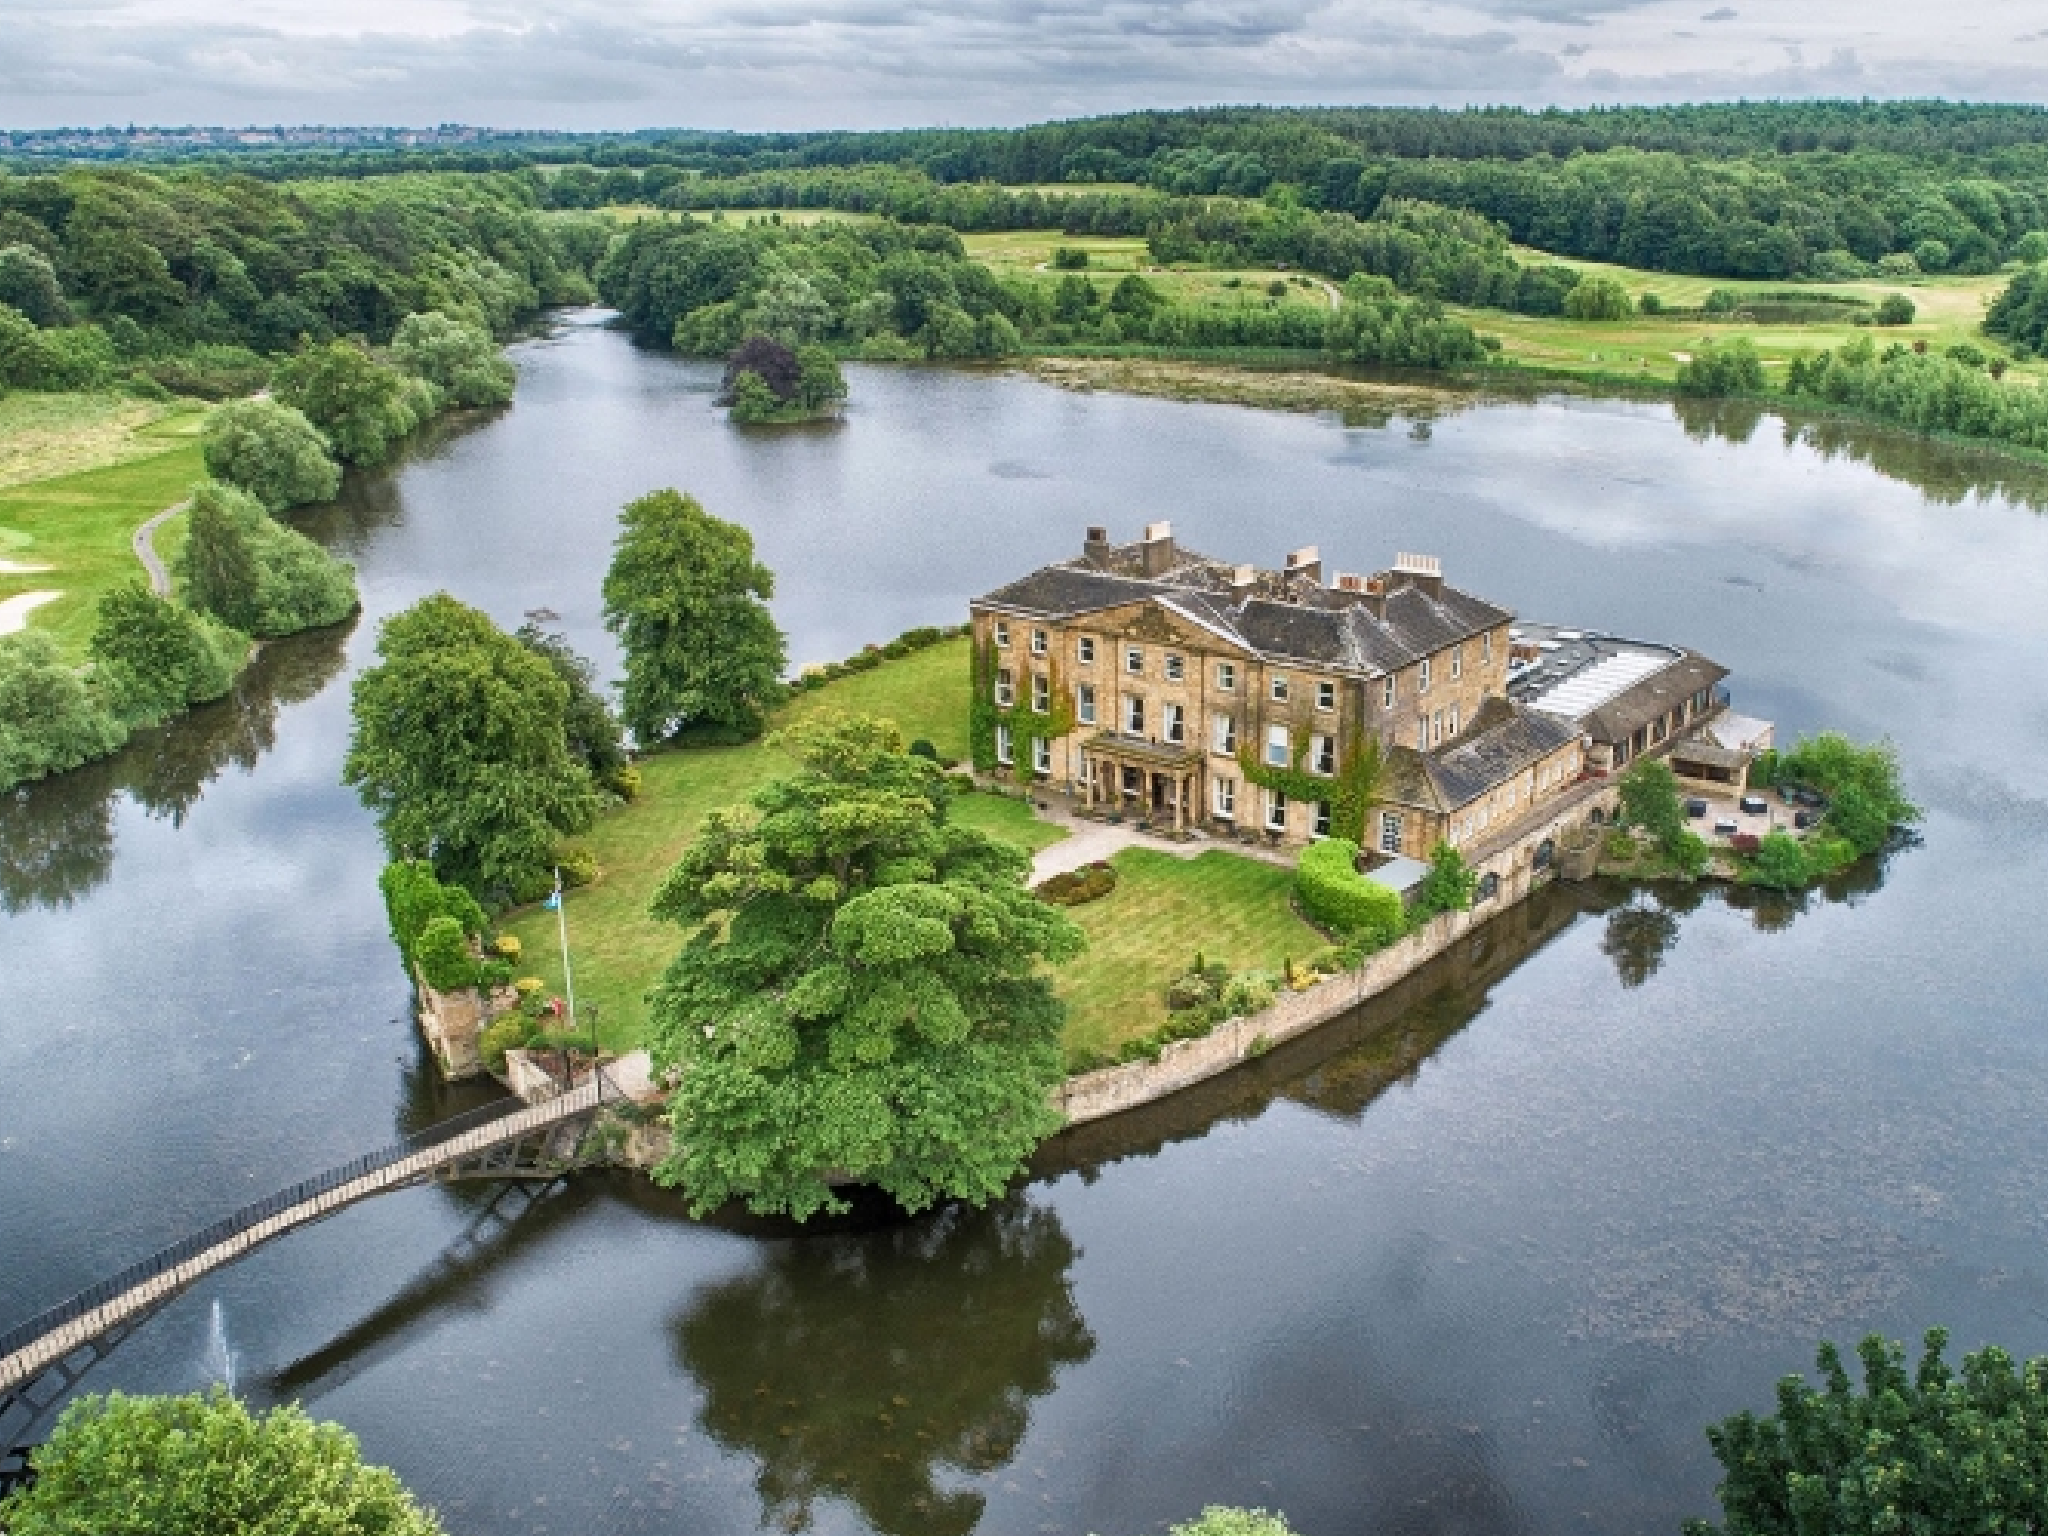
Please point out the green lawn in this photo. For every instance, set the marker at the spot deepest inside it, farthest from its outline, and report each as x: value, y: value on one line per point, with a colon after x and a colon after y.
x: 618, y: 950
x: 1146, y: 932
x: 79, y: 524
x: 1010, y: 820
x: 1949, y: 310
x: 1028, y: 254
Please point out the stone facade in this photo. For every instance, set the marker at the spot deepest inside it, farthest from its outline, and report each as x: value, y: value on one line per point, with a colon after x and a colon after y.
x: 1172, y: 666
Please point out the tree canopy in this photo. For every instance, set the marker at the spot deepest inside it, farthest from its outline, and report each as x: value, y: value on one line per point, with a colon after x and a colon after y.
x: 1934, y: 1452
x: 255, y: 574
x: 861, y: 995
x: 270, y: 450
x: 461, y: 751
x: 457, y: 357
x: 362, y: 405
x: 204, y: 1465
x: 687, y: 599
x: 152, y: 657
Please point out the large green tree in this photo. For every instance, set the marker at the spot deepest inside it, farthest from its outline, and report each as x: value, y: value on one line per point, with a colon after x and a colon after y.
x: 270, y: 450
x: 50, y: 720
x: 364, y: 406
x: 1933, y: 1452
x: 457, y: 358
x: 206, y: 1466
x: 862, y: 995
x: 461, y: 751
x: 152, y: 658
x: 253, y: 572
x: 687, y: 599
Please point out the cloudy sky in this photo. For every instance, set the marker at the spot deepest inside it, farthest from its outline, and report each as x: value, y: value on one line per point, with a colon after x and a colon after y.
x: 875, y: 63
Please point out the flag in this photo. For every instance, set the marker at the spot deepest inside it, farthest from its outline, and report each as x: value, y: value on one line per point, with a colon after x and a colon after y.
x: 553, y: 903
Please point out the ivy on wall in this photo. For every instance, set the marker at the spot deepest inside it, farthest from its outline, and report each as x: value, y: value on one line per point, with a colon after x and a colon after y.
x: 1361, y: 760
x: 1026, y: 725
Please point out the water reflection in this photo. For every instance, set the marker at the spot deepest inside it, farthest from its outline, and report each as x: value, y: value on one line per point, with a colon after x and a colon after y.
x: 1946, y: 473
x: 863, y: 1366
x: 57, y: 836
x: 1640, y: 933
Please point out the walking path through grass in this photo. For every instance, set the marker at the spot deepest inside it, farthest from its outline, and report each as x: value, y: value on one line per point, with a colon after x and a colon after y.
x: 79, y: 474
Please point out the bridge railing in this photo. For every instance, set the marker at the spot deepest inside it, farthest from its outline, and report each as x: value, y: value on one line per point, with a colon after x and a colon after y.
x: 248, y: 1216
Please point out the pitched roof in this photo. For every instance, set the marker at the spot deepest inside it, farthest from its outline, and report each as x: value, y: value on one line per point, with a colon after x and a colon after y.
x: 1279, y: 620
x: 1626, y: 712
x: 1504, y: 740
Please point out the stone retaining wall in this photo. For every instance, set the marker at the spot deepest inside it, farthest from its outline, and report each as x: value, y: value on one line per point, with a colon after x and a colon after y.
x: 1512, y: 859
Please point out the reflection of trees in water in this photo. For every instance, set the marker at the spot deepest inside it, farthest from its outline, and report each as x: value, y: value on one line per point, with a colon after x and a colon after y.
x: 370, y: 501
x: 856, y: 1366
x: 1639, y: 935
x: 57, y: 836
x: 1943, y: 472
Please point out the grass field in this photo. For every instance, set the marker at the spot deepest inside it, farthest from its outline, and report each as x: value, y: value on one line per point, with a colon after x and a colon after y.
x: 618, y: 949
x: 78, y: 521
x: 1146, y: 932
x: 1949, y: 310
x: 1028, y: 254
x: 1163, y: 910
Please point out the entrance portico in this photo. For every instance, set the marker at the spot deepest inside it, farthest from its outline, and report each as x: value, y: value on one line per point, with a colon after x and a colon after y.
x: 1146, y: 777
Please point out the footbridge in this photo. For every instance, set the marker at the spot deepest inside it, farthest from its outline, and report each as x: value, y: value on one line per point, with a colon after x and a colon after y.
x: 42, y: 1359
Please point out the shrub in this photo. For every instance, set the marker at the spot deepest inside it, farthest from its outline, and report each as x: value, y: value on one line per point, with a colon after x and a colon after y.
x: 923, y: 748
x: 442, y: 954
x: 1650, y: 304
x: 1449, y: 885
x: 577, y: 862
x: 506, y: 946
x: 1091, y: 882
x: 1721, y: 301
x: 414, y: 897
x: 1066, y: 258
x: 528, y: 986
x: 507, y: 1032
x: 1597, y: 298
x: 1333, y: 893
x: 50, y: 720
x: 1253, y: 992
x: 624, y: 782
x: 271, y: 451
x: 1779, y: 862
x: 1895, y: 309
x: 1189, y: 991
x: 181, y: 1466
x: 1732, y: 368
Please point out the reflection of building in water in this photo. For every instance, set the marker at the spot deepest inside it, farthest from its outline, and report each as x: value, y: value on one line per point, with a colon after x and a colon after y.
x: 1152, y: 681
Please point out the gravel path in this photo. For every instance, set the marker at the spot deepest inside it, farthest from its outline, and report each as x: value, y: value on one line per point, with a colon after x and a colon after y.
x: 145, y: 550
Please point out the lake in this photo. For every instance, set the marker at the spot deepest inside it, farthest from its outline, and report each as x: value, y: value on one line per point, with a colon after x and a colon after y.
x: 1486, y: 1258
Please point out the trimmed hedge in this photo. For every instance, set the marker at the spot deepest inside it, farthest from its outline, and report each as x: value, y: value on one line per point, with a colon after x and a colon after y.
x: 1331, y: 891
x: 1091, y: 882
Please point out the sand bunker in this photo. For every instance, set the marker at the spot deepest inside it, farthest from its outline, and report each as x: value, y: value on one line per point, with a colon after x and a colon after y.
x: 14, y: 611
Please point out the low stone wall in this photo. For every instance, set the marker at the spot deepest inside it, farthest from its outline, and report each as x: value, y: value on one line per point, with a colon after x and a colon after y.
x: 1512, y: 859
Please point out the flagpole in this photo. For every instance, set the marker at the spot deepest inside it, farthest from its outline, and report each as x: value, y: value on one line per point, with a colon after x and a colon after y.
x: 569, y: 976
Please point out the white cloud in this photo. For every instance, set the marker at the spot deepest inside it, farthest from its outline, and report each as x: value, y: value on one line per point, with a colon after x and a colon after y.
x: 866, y: 63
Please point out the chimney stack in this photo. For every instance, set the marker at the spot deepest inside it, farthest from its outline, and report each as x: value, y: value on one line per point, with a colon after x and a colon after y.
x: 1423, y: 572
x: 1242, y: 580
x: 1155, y: 554
x: 1095, y: 548
x: 1306, y: 563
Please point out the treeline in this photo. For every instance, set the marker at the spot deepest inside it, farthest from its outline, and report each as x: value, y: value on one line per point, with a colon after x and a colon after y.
x: 887, y: 291
x: 193, y: 279
x: 1830, y: 217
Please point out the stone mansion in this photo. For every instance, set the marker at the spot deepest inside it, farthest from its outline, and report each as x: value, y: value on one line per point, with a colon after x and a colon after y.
x: 1180, y: 677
